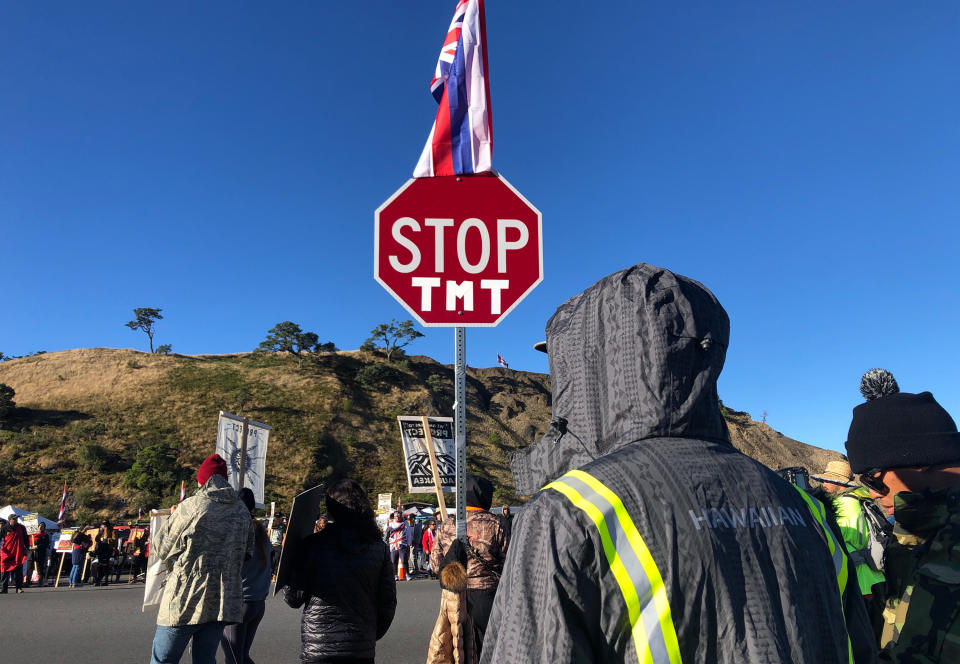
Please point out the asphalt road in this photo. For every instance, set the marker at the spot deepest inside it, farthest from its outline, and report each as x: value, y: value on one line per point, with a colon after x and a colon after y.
x: 92, y: 625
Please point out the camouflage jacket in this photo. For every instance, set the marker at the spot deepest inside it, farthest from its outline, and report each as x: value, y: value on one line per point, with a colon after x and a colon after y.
x: 487, y: 537
x: 203, y: 545
x: 922, y: 617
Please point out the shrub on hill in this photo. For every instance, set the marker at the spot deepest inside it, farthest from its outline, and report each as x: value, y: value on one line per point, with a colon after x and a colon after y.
x: 7, y: 404
x: 94, y: 456
x: 373, y: 376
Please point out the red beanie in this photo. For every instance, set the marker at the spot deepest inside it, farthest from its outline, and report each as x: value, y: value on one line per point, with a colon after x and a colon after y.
x: 212, y: 465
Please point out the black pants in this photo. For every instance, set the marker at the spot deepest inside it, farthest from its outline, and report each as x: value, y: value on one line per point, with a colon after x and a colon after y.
x: 237, y: 638
x: 397, y: 555
x: 103, y: 573
x: 38, y: 563
x: 17, y: 576
x: 479, y: 604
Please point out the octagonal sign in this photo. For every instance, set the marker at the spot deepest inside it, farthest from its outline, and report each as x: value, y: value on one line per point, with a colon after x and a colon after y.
x: 458, y: 251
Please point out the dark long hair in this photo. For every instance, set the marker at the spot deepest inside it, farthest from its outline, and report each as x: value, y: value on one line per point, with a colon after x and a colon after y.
x: 260, y: 533
x: 348, y: 507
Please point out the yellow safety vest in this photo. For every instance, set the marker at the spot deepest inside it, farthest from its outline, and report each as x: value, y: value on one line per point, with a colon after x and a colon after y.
x: 634, y: 569
x: 636, y: 573
x: 837, y: 553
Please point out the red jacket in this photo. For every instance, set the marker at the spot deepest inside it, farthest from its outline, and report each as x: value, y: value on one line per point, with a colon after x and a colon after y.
x: 427, y: 541
x: 13, y: 551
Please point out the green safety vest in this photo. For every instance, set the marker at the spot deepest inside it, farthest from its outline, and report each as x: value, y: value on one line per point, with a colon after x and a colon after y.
x: 635, y: 571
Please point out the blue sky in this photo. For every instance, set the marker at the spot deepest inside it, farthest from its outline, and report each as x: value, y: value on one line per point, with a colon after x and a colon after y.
x: 222, y: 161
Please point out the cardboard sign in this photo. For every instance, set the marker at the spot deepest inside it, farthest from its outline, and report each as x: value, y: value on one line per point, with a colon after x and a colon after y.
x: 303, y: 516
x: 417, y: 459
x: 156, y: 570
x: 384, y: 502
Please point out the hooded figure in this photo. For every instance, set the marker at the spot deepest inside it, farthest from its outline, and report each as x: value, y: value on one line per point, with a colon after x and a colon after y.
x: 203, y: 544
x: 665, y: 544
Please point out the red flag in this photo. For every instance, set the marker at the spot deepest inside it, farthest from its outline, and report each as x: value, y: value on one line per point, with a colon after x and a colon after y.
x: 63, y: 504
x: 183, y: 490
x: 501, y: 361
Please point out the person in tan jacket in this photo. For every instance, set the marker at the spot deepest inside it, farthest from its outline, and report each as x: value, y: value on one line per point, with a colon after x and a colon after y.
x: 486, y: 551
x: 203, y: 545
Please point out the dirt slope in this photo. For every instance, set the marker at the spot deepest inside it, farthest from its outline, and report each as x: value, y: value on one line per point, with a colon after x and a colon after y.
x: 335, y: 416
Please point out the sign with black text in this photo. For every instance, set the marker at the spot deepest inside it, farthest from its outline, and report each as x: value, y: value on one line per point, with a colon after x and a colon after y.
x: 417, y: 458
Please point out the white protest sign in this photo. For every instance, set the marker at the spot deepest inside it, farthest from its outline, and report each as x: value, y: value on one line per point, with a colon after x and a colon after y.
x: 384, y: 502
x: 229, y: 444
x: 156, y: 570
x: 417, y: 458
x: 31, y: 522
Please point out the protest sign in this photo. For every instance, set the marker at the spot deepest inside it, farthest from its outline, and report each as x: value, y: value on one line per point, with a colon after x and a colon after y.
x: 417, y: 456
x: 243, y: 444
x: 384, y: 502
x: 156, y: 570
x: 31, y: 522
x: 65, y: 543
x: 303, y: 516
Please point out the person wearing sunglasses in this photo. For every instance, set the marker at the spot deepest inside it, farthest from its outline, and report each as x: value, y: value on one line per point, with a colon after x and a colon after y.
x: 906, y: 449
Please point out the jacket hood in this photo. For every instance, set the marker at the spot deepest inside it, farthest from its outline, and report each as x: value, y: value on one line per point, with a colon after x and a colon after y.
x: 635, y: 356
x: 218, y: 490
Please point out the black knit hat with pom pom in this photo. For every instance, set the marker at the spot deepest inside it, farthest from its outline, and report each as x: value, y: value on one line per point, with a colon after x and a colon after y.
x: 896, y: 429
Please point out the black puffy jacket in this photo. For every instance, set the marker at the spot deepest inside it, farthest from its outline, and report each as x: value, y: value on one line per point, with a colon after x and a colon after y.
x: 348, y: 594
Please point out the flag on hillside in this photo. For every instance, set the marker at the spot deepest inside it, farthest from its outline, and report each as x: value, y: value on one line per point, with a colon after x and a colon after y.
x: 63, y: 504
x: 183, y: 490
x: 461, y: 140
x: 502, y: 362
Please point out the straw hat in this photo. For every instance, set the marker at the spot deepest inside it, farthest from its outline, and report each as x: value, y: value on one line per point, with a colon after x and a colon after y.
x: 838, y: 470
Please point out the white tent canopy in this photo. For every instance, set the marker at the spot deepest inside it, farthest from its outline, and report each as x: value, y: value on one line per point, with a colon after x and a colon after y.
x: 451, y: 511
x: 5, y: 513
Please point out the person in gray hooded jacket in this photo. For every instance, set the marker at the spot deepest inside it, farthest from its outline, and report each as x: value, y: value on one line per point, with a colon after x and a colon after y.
x: 654, y: 540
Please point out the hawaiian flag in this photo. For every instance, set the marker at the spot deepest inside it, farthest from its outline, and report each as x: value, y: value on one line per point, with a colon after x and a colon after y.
x: 63, y: 504
x: 183, y: 490
x: 461, y: 140
x: 502, y: 362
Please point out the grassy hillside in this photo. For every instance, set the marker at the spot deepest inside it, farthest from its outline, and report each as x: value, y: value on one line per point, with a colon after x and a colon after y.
x: 83, y: 415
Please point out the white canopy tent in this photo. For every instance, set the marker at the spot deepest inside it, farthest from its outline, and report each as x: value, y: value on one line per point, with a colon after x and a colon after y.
x: 5, y: 513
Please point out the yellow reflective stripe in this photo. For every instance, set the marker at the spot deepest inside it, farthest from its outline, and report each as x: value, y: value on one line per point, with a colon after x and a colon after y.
x: 657, y: 589
x: 616, y: 566
x: 836, y: 552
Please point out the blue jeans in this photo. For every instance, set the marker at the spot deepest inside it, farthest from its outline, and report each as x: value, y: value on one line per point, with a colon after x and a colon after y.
x: 75, y: 574
x: 170, y: 642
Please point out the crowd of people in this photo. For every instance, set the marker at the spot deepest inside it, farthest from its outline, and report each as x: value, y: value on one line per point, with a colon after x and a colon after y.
x: 649, y: 537
x: 28, y: 559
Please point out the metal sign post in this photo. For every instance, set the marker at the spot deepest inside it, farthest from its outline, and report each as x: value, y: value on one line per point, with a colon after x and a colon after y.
x: 460, y: 426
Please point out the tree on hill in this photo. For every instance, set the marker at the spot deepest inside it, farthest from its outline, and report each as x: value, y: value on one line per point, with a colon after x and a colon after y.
x: 155, y: 472
x: 392, y: 336
x: 288, y: 337
x: 144, y: 319
x: 7, y: 404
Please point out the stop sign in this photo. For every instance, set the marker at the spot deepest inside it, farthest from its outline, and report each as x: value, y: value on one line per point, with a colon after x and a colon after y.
x: 458, y: 251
